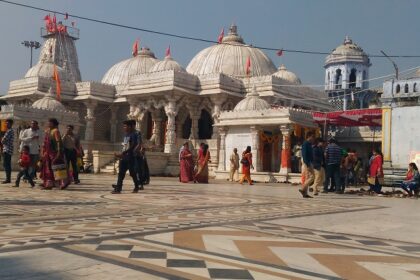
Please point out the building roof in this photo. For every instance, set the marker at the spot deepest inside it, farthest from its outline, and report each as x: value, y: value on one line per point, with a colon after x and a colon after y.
x: 167, y: 64
x: 287, y: 75
x: 121, y: 72
x: 49, y: 102
x: 45, y: 69
x: 347, y: 52
x: 252, y: 102
x: 230, y: 58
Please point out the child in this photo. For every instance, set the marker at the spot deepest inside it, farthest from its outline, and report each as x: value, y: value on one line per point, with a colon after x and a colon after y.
x: 25, y: 163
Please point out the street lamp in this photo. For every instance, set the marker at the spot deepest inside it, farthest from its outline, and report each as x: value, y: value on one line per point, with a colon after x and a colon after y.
x: 393, y: 63
x: 32, y: 45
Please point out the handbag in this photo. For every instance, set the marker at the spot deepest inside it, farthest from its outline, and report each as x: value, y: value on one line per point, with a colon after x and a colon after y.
x: 376, y: 180
x: 371, y: 180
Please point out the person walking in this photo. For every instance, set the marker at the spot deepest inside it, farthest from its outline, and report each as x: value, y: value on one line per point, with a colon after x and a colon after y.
x: 307, y: 164
x: 297, y: 152
x: 376, y: 173
x: 7, y: 143
x: 333, y: 155
x: 246, y: 166
x: 202, y: 174
x: 139, y: 157
x: 186, y: 164
x: 234, y: 165
x: 54, y: 170
x: 25, y: 164
x: 318, y: 165
x: 71, y: 144
x: 31, y: 137
x: 126, y: 158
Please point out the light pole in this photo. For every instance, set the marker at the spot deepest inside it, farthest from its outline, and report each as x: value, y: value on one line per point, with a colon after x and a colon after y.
x: 393, y: 63
x: 32, y: 45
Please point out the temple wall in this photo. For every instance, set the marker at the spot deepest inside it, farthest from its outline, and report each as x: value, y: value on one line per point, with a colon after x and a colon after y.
x: 405, y: 135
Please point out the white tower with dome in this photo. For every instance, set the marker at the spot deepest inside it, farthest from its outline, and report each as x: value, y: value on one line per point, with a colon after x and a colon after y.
x: 347, y: 71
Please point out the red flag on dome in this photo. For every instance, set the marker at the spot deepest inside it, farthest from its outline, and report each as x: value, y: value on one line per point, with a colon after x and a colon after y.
x: 136, y: 48
x: 47, y: 17
x: 280, y: 52
x: 54, y: 20
x: 66, y: 16
x: 56, y: 77
x: 168, y: 51
x: 248, y: 66
x: 221, y: 35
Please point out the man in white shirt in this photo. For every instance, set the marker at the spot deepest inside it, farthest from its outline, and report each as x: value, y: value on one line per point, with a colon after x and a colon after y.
x: 31, y: 137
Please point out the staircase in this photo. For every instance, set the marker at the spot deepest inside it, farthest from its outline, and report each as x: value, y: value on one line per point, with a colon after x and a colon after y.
x: 394, y: 176
x: 110, y: 168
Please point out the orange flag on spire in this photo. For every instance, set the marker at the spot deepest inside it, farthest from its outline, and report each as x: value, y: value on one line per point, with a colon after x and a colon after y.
x: 136, y: 48
x: 221, y: 35
x: 248, y: 66
x: 168, y: 52
x: 56, y: 77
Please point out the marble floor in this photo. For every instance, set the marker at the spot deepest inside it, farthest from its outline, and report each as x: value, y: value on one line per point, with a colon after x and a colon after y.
x: 195, y: 231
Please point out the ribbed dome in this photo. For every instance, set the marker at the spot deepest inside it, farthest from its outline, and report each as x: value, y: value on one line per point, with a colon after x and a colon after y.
x: 252, y: 102
x: 347, y: 52
x: 48, y: 102
x: 230, y: 58
x: 167, y: 64
x: 121, y: 72
x: 45, y: 69
x: 287, y: 75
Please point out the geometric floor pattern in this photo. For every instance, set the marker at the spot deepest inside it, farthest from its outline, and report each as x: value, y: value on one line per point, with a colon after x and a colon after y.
x: 170, y: 231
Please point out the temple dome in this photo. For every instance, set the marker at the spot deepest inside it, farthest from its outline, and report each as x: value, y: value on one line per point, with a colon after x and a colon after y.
x: 230, y: 58
x: 167, y: 64
x: 347, y: 52
x: 252, y: 102
x: 287, y: 75
x: 45, y: 69
x: 49, y: 102
x: 121, y: 72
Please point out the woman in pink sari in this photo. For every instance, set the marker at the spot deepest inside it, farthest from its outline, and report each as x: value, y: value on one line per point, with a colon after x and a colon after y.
x: 186, y: 164
x: 202, y: 174
x: 54, y: 169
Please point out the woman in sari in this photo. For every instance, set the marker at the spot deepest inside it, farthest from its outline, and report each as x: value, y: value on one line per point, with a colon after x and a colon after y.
x: 186, y: 164
x: 202, y: 174
x: 246, y: 166
x: 54, y: 170
x: 410, y: 184
x: 376, y: 173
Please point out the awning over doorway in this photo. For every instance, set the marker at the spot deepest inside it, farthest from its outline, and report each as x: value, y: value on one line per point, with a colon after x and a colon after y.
x: 360, y: 117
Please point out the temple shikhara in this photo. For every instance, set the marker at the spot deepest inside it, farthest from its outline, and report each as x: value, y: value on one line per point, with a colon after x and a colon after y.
x: 230, y: 95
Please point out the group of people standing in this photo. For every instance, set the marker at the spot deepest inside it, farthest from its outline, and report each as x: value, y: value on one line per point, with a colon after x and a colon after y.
x: 56, y: 157
x: 194, y: 170
x: 331, y: 167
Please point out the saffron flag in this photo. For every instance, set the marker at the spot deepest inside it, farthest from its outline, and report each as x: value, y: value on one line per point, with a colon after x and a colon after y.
x: 66, y: 16
x: 248, y: 66
x: 136, y: 48
x: 168, y: 52
x: 280, y: 52
x: 221, y: 35
x: 56, y: 77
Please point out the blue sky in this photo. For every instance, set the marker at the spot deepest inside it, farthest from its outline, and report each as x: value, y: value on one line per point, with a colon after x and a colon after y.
x: 321, y: 25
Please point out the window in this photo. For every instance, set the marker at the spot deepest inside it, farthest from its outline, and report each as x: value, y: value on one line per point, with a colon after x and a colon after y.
x: 338, y: 79
x: 406, y: 88
x: 415, y: 87
x: 352, y: 78
x: 398, y: 89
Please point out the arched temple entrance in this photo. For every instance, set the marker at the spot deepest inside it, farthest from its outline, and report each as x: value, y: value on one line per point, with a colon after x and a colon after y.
x: 205, y: 125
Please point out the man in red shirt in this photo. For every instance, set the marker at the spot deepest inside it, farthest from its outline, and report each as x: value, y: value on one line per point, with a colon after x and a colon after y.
x: 25, y: 163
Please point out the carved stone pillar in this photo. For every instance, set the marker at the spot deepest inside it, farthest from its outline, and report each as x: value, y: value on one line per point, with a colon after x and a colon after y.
x: 171, y: 112
x: 255, y: 148
x: 217, y: 107
x: 195, y: 116
x: 89, y: 130
x: 157, y: 127
x: 222, y: 149
x: 90, y: 120
x: 113, y: 124
x: 286, y: 163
